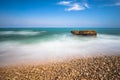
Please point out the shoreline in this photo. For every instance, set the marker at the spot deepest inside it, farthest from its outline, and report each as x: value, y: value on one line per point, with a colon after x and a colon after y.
x: 52, y: 60
x: 103, y: 67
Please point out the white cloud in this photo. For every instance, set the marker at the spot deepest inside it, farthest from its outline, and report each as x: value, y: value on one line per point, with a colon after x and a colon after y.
x: 75, y: 7
x: 86, y: 5
x: 113, y: 4
x: 64, y: 3
x: 117, y: 4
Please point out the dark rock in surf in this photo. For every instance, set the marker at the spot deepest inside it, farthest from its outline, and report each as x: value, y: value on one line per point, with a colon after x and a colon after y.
x: 84, y: 32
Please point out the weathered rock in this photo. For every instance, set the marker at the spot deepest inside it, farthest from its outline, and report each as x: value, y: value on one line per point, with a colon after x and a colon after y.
x: 84, y: 32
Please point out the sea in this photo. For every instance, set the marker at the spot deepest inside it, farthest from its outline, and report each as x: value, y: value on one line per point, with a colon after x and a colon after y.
x: 23, y: 45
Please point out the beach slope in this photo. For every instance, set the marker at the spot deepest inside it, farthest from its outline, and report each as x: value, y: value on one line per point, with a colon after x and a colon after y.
x: 96, y: 68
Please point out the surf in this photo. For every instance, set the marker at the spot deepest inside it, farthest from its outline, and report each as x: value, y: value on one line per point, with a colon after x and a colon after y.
x: 58, y: 47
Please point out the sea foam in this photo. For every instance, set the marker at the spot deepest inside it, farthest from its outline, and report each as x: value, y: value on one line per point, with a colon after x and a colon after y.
x: 59, y: 47
x: 21, y: 32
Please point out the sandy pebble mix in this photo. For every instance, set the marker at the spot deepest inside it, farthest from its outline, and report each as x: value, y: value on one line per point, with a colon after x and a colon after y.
x: 96, y: 68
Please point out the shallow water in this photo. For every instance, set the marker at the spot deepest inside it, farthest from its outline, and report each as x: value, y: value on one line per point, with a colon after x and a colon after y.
x: 22, y: 45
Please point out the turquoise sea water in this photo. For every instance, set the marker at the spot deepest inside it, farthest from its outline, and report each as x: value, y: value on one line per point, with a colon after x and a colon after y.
x: 42, y: 44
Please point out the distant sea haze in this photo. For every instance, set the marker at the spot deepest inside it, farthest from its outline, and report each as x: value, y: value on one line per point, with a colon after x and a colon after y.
x: 19, y: 45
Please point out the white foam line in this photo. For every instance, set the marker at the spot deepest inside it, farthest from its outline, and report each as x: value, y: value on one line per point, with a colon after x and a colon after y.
x: 21, y: 32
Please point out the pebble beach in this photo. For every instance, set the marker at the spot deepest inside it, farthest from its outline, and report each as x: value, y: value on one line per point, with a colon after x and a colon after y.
x: 91, y: 68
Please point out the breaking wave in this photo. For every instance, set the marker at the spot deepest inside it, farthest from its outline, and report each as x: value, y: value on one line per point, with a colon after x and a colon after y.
x: 21, y: 32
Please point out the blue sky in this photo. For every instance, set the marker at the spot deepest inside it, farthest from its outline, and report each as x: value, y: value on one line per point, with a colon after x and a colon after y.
x: 60, y: 13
